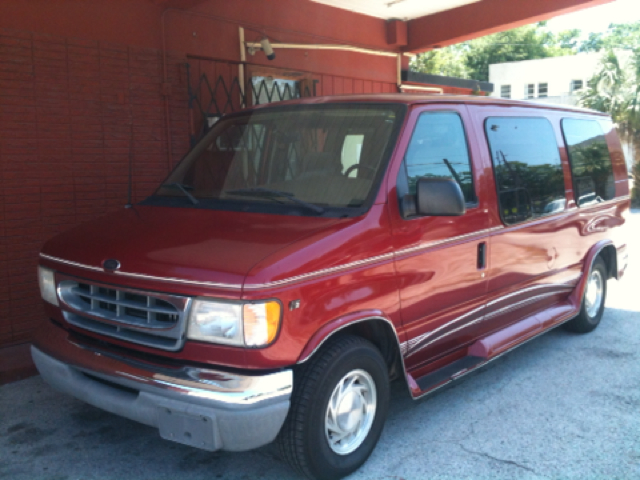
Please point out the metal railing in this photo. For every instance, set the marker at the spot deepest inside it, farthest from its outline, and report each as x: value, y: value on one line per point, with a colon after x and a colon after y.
x: 210, y: 99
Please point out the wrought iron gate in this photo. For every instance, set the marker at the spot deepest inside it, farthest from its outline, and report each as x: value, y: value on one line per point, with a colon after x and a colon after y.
x: 211, y: 97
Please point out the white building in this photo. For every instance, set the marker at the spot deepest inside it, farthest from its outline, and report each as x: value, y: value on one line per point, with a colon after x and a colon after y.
x: 552, y: 80
x: 548, y: 80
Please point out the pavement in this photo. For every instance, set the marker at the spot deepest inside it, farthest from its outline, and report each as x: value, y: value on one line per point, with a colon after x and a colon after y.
x: 563, y: 406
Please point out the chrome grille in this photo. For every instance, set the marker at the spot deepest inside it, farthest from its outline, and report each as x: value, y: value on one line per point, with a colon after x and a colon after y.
x: 148, y: 318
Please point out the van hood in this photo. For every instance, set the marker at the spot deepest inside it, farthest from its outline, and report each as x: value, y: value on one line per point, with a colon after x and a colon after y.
x: 191, y: 244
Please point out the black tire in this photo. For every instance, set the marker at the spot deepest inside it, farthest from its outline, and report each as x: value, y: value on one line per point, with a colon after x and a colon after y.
x: 303, y: 441
x: 590, y: 315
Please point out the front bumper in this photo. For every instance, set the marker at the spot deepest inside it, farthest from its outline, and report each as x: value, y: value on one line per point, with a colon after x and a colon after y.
x: 204, y: 408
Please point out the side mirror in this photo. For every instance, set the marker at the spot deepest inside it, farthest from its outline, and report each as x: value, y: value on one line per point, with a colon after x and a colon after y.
x: 439, y: 197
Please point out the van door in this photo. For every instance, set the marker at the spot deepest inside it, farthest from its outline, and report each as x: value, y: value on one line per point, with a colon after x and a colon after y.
x: 532, y: 261
x: 440, y: 261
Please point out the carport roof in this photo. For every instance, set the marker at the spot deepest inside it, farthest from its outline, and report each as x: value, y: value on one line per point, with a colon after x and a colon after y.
x: 433, y: 24
x: 437, y: 23
x: 401, y: 9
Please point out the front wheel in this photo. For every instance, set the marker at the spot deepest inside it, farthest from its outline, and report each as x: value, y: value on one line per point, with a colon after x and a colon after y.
x: 593, y: 300
x: 338, y: 409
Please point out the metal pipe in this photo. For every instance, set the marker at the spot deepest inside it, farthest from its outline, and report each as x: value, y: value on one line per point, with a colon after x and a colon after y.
x: 346, y: 48
x: 424, y: 89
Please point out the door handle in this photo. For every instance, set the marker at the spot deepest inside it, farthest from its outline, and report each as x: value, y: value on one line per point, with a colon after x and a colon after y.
x: 482, y: 255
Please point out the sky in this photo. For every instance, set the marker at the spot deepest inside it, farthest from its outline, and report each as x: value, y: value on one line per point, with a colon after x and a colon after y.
x: 597, y: 19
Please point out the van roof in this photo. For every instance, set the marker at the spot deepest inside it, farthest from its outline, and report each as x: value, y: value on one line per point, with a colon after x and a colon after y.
x: 417, y: 99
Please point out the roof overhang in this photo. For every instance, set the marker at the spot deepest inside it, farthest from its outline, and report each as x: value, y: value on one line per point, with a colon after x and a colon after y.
x: 438, y: 23
x: 396, y: 9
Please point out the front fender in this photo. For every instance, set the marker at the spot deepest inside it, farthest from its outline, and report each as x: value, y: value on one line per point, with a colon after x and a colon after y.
x: 334, y: 326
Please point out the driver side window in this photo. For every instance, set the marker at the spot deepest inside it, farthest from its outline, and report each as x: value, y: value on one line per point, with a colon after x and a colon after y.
x: 438, y: 149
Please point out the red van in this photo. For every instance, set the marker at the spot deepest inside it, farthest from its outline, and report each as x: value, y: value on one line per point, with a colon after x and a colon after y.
x: 303, y: 255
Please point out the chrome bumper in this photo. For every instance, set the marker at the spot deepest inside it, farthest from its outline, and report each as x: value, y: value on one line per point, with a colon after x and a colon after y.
x: 204, y: 408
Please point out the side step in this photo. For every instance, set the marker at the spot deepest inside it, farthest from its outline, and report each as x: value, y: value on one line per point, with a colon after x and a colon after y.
x: 492, y: 346
x: 449, y: 372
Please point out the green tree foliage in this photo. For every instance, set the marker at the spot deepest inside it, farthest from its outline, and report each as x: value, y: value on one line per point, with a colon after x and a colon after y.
x: 524, y: 43
x: 472, y: 59
x: 617, y: 36
x: 611, y: 89
x: 449, y: 61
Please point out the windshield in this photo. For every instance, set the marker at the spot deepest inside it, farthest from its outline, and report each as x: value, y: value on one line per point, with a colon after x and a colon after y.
x: 303, y: 160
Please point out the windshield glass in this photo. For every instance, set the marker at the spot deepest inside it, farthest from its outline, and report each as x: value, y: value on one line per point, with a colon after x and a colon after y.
x: 303, y: 159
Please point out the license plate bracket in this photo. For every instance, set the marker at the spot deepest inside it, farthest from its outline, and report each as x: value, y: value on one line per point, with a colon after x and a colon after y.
x: 196, y: 430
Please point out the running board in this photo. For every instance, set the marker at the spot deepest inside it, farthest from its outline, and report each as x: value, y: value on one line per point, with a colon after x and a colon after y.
x: 493, y: 346
x: 448, y: 373
x: 529, y: 327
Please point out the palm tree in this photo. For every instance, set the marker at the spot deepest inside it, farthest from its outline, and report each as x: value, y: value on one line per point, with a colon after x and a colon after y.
x: 615, y: 89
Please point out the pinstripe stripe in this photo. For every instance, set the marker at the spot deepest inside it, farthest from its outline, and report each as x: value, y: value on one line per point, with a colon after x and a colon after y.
x: 417, y: 344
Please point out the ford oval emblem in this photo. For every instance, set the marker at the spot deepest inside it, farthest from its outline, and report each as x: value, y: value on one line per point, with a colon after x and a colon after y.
x: 111, y: 264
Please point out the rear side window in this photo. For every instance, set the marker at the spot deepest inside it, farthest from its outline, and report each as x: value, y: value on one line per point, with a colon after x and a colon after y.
x: 590, y: 161
x: 438, y: 149
x: 527, y: 167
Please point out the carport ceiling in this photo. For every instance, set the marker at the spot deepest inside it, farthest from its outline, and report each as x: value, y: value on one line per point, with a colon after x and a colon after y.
x: 400, y: 9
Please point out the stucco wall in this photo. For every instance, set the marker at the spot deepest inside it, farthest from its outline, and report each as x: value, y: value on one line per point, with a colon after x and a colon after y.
x: 557, y: 72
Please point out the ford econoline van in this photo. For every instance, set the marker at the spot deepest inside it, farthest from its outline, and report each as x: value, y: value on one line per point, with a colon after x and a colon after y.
x: 304, y: 254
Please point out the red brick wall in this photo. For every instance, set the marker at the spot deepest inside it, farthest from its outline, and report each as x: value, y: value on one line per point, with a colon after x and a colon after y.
x: 68, y: 111
x: 337, y: 85
x: 68, y: 108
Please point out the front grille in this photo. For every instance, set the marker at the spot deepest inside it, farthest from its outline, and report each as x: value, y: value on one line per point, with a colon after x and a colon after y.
x: 148, y: 318
x: 125, y: 306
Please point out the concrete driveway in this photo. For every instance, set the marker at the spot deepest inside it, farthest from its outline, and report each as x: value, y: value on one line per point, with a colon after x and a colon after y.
x: 562, y: 406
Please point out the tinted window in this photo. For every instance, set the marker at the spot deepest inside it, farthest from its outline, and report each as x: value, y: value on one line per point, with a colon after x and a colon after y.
x: 590, y: 161
x: 527, y: 167
x: 438, y: 149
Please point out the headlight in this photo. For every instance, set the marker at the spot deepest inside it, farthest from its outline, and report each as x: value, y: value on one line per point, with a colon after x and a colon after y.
x: 216, y: 322
x: 250, y: 324
x: 47, y: 285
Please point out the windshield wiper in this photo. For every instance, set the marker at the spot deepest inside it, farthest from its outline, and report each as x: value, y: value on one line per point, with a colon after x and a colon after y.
x: 184, y: 190
x: 274, y: 194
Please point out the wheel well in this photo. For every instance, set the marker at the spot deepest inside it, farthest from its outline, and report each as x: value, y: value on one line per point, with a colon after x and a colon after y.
x: 610, y: 257
x: 382, y: 335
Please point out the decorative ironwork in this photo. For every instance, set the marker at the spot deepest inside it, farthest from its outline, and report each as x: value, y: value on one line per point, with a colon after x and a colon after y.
x: 210, y: 99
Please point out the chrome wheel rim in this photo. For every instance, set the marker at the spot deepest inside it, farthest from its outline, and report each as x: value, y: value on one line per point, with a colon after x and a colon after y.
x: 594, y: 294
x: 350, y: 412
